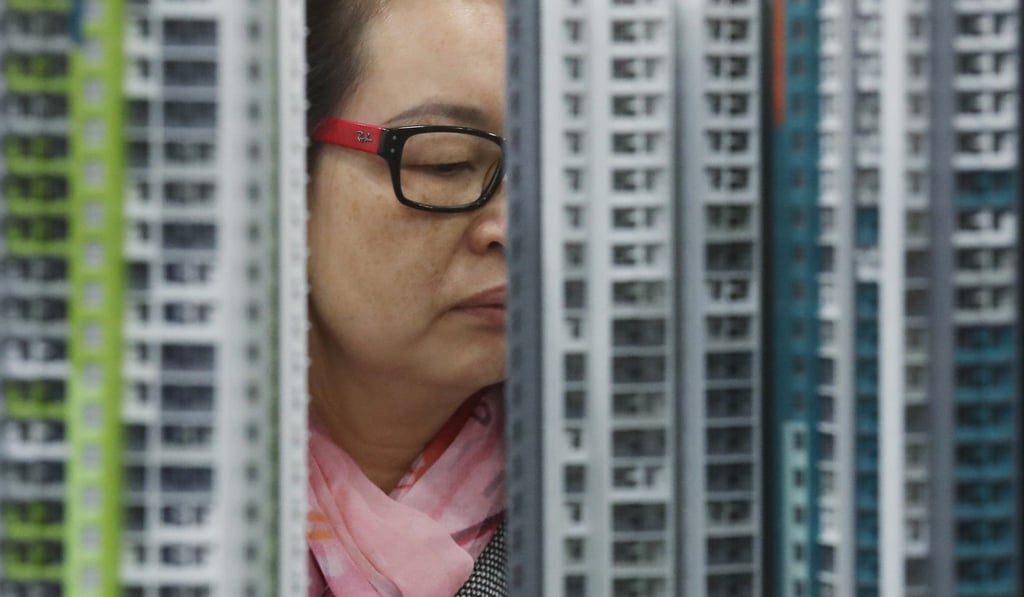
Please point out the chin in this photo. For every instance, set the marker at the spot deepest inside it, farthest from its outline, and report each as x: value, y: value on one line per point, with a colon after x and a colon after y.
x: 465, y: 356
x: 490, y: 372
x: 482, y: 367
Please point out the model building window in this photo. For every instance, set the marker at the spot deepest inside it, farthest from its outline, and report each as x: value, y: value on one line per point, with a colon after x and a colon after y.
x: 189, y: 236
x: 189, y: 32
x: 638, y: 369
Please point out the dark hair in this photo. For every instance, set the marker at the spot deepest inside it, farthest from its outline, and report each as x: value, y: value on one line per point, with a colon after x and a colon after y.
x: 334, y: 52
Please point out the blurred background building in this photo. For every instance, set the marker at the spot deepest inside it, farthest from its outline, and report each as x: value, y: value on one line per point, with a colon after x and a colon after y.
x: 719, y: 289
x: 139, y: 299
x: 840, y: 219
x: 764, y: 325
x: 895, y: 218
x: 610, y: 483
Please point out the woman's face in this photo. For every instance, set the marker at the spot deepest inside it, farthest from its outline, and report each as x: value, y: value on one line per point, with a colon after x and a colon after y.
x: 397, y: 290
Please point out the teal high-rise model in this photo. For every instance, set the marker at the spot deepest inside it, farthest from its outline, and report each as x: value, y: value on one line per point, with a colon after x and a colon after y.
x: 895, y: 338
x: 974, y: 301
x: 792, y: 330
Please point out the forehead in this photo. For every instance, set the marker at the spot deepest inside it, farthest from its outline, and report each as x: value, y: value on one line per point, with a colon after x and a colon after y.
x: 434, y: 52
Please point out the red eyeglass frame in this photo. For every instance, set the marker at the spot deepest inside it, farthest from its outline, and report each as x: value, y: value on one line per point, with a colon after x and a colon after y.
x: 389, y: 143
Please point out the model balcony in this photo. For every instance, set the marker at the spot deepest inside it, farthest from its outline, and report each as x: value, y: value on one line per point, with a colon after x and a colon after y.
x: 990, y: 586
x: 165, y: 580
x: 1000, y: 313
x: 731, y: 516
x: 730, y: 555
x: 642, y: 556
x: 1005, y: 353
x: 29, y: 449
x: 187, y: 443
x: 640, y: 406
x: 34, y: 532
x: 31, y: 568
x: 995, y: 509
x: 1004, y: 158
x: 998, y: 119
x: 27, y: 369
x: 39, y: 155
x: 725, y: 294
x: 34, y: 399
x: 730, y: 480
x: 647, y: 482
x: 35, y: 481
x: 647, y: 420
x: 988, y: 547
x: 733, y: 406
x: 980, y: 38
x: 36, y: 237
x: 36, y: 73
x: 656, y: 585
x: 31, y: 30
x: 997, y: 237
x: 985, y: 472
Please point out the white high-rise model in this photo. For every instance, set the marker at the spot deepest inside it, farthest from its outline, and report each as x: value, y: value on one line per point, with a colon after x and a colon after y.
x: 610, y: 481
x: 648, y: 427
x: 720, y: 210
x: 152, y: 399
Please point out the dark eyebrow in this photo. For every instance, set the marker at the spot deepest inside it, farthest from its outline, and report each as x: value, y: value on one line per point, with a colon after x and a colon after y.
x: 460, y: 113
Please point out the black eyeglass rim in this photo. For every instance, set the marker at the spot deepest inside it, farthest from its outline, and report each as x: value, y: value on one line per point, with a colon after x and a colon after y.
x: 393, y: 144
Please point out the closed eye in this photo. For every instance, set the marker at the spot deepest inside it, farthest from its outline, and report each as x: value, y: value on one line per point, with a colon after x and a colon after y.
x: 444, y: 168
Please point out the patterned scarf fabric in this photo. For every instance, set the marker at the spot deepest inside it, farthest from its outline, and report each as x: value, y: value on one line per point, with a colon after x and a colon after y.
x: 423, y: 538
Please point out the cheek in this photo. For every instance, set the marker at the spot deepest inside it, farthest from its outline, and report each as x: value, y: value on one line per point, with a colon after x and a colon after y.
x: 372, y: 277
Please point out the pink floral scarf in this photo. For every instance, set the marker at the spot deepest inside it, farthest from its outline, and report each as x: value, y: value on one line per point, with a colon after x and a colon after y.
x: 422, y: 539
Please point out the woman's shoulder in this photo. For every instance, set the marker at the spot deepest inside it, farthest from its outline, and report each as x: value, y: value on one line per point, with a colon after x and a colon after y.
x: 489, y: 573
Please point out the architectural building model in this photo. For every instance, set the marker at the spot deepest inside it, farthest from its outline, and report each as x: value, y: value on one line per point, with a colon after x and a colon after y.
x: 766, y: 298
x: 151, y: 224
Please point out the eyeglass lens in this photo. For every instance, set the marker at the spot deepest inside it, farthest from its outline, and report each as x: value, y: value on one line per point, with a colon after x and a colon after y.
x: 448, y: 169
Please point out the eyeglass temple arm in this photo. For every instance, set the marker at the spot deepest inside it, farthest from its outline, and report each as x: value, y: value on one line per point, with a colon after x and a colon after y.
x: 346, y: 133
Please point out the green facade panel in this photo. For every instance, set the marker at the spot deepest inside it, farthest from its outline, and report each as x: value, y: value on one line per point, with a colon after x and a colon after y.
x: 94, y: 502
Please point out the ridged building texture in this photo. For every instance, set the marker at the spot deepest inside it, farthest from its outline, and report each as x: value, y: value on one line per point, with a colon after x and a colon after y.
x: 976, y: 211
x: 765, y: 273
x: 610, y: 423
x: 809, y: 212
x: 895, y: 221
x: 718, y: 204
x: 139, y: 293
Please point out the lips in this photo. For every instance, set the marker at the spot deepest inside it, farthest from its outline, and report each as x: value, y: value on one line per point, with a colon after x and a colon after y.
x: 487, y: 307
x: 493, y: 298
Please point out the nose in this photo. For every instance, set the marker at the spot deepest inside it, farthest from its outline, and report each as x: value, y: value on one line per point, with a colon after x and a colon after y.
x: 487, y: 231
